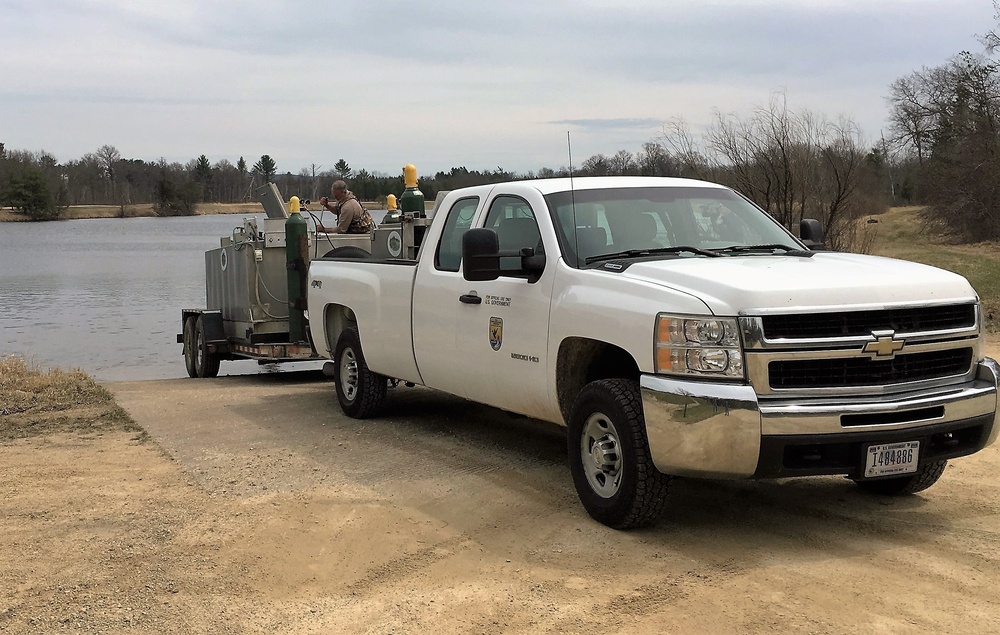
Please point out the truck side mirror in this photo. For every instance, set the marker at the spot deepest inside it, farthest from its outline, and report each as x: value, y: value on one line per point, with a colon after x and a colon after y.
x: 480, y: 255
x: 811, y: 233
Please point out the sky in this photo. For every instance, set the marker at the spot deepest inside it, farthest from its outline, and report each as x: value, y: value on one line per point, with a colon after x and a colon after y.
x: 383, y: 83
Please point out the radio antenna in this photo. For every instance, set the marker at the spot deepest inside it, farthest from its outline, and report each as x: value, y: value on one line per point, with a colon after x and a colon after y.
x: 572, y: 195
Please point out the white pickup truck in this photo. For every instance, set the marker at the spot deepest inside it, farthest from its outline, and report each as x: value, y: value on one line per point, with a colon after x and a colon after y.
x: 676, y: 329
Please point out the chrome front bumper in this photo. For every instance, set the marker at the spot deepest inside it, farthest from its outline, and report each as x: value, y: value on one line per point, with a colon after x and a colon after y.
x: 717, y: 430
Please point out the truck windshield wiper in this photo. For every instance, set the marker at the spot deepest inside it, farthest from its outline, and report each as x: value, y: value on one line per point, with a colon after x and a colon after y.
x: 791, y: 251
x: 635, y: 253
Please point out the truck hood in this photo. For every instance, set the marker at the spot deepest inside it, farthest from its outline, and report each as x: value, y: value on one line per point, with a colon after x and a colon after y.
x: 735, y: 285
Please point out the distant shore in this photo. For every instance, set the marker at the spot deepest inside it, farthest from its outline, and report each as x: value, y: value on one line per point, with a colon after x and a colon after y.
x: 75, y: 212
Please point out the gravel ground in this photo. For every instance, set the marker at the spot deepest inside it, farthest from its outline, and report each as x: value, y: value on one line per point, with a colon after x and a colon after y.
x: 250, y: 504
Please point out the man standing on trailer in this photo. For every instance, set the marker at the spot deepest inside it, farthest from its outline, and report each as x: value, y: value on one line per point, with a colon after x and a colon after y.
x: 352, y: 217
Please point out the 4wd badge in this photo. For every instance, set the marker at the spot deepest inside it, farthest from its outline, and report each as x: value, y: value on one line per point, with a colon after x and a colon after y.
x: 496, y: 333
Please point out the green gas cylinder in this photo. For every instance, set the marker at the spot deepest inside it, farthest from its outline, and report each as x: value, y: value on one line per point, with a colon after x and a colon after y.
x: 412, y: 199
x: 297, y: 261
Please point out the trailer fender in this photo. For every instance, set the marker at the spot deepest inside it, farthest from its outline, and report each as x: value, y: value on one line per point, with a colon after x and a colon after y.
x: 212, y: 321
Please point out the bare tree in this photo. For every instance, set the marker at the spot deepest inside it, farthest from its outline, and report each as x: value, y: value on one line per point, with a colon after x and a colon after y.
x: 917, y: 103
x: 227, y: 181
x: 792, y: 164
x: 597, y: 165
x: 108, y: 158
x: 679, y: 144
x: 654, y: 160
x: 839, y: 177
x: 622, y: 163
x: 991, y: 40
x: 314, y: 182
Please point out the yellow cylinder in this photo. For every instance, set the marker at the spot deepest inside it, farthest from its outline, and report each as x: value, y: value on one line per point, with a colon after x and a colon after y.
x: 410, y: 175
x: 390, y: 202
x: 293, y: 205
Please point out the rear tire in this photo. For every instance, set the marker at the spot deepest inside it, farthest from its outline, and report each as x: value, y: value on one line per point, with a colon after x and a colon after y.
x: 190, y: 355
x: 609, y: 456
x: 361, y: 392
x: 206, y: 364
x: 926, y: 475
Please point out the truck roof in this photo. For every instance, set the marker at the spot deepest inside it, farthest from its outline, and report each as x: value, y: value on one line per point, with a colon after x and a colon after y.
x: 549, y: 186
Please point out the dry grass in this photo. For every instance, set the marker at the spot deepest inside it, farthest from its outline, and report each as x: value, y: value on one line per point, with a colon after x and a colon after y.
x: 107, y: 211
x: 35, y: 401
x: 229, y: 208
x: 75, y: 212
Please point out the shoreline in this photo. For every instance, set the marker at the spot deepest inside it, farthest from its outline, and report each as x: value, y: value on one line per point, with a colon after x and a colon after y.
x: 145, y: 210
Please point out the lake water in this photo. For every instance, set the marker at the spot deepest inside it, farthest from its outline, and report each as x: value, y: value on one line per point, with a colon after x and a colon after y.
x: 105, y: 295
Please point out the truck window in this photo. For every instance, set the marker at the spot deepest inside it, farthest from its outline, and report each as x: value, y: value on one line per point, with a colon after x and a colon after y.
x: 607, y: 220
x: 587, y: 229
x: 449, y: 250
x: 514, y: 222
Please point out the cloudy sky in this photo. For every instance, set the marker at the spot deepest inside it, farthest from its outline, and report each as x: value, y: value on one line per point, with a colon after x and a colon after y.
x: 382, y: 83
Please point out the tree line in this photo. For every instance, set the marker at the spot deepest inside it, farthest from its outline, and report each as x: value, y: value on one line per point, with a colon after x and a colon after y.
x: 942, y: 151
x: 946, y: 122
x: 791, y: 165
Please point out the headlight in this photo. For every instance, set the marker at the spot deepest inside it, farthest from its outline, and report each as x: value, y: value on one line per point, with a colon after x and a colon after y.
x: 692, y: 345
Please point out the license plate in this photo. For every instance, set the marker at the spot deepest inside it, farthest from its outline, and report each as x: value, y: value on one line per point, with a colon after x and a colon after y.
x: 892, y: 458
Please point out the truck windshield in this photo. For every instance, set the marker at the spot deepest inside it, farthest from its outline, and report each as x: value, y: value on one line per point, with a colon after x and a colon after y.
x: 615, y: 220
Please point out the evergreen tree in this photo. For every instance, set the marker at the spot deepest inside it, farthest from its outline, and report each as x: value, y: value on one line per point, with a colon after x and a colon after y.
x: 202, y: 174
x: 266, y: 168
x: 27, y: 190
x: 341, y: 168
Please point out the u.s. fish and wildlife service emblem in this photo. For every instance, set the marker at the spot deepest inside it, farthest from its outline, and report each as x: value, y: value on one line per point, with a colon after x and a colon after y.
x: 496, y: 333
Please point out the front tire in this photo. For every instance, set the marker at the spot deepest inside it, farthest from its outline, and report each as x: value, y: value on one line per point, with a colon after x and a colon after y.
x: 206, y: 364
x: 926, y: 475
x: 361, y: 392
x: 609, y: 456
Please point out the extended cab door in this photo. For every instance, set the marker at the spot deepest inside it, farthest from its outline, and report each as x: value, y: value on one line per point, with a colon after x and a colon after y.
x: 436, y: 305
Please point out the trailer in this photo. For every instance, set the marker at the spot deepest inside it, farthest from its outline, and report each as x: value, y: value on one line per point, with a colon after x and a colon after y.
x: 247, y: 281
x: 246, y: 315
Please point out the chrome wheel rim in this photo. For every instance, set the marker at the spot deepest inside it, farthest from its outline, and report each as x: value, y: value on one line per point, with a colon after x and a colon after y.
x: 600, y: 453
x: 349, y: 374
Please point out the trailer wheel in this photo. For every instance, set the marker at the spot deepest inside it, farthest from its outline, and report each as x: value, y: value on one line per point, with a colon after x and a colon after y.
x: 190, y: 353
x: 925, y: 476
x: 206, y: 364
x: 361, y: 392
x: 609, y: 456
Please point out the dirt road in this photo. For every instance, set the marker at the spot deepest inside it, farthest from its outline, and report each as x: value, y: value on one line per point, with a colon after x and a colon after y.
x: 258, y: 507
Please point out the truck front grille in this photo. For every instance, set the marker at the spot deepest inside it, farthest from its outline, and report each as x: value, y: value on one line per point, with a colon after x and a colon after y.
x: 863, y: 371
x: 861, y: 323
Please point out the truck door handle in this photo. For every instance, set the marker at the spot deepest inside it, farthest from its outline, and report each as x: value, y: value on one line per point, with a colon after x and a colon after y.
x: 470, y: 298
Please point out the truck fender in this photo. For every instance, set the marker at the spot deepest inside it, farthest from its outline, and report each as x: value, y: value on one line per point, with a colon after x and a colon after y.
x: 336, y: 318
x: 583, y: 360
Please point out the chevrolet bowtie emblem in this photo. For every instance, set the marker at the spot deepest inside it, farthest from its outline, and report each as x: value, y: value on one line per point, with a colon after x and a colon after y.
x: 885, y: 345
